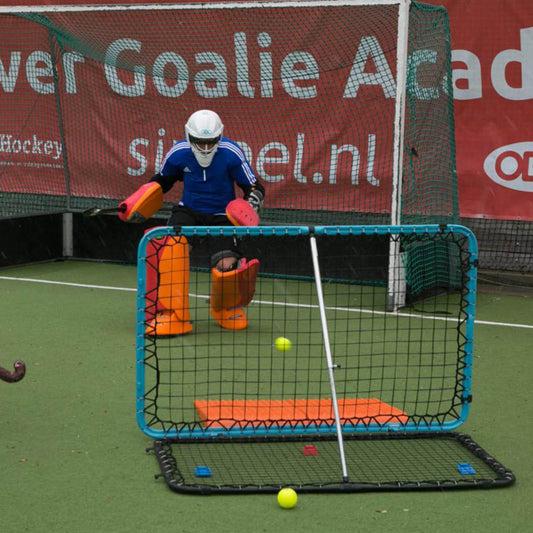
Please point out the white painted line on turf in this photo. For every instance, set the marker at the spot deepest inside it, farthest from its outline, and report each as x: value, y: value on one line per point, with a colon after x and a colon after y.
x: 285, y: 304
x: 83, y: 285
x: 396, y: 313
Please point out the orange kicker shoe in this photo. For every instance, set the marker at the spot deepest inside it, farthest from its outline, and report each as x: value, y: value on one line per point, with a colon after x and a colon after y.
x: 234, y: 319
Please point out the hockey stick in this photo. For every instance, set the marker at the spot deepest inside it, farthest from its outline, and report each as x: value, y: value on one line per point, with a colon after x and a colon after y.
x: 16, y: 375
x: 93, y: 211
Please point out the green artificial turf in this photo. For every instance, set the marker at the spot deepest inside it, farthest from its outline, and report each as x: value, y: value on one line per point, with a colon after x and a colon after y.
x: 73, y: 459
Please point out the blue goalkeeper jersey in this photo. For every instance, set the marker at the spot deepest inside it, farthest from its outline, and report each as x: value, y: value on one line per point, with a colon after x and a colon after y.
x: 207, y: 190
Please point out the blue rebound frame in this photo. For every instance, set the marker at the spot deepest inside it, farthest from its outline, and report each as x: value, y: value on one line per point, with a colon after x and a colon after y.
x: 468, y: 346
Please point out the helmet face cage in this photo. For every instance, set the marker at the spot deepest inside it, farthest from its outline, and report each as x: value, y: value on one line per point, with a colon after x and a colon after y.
x: 204, y: 131
x: 205, y: 145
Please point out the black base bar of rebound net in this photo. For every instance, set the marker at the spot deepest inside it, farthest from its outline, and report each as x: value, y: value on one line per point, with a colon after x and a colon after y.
x: 376, y: 462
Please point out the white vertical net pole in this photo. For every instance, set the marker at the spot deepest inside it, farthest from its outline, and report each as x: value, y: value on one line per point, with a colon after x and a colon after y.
x: 396, y: 285
x: 329, y: 358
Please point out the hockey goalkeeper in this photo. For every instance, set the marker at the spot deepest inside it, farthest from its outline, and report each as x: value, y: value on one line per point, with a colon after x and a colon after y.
x: 209, y: 165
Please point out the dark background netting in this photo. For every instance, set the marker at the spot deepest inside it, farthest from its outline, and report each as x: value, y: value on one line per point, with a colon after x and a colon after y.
x: 91, y: 101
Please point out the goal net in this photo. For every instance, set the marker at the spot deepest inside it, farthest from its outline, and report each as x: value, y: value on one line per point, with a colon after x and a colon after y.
x: 344, y: 107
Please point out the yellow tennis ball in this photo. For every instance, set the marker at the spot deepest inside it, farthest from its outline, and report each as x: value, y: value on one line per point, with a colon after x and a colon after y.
x: 283, y: 344
x: 287, y: 498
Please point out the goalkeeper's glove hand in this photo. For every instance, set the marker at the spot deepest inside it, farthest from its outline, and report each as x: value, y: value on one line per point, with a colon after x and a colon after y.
x: 255, y: 199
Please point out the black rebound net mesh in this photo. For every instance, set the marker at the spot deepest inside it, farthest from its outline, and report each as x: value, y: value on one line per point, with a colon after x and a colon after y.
x: 389, y: 462
x: 409, y: 369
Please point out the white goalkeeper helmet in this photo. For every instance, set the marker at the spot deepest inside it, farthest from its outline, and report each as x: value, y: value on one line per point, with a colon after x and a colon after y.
x: 204, y: 131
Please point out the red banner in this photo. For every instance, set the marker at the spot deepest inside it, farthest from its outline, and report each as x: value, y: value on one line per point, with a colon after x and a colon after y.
x: 492, y: 53
x: 283, y: 92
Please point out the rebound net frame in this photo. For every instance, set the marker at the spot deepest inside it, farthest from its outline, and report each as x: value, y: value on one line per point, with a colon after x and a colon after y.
x: 373, y: 352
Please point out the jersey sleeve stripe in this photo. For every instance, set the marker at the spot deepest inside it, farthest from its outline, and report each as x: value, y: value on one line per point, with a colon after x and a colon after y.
x: 244, y: 164
x: 178, y: 146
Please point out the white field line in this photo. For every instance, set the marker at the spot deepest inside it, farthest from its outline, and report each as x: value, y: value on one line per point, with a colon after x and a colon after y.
x: 286, y: 304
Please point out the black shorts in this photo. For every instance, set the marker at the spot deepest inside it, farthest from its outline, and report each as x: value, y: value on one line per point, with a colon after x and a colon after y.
x: 183, y: 216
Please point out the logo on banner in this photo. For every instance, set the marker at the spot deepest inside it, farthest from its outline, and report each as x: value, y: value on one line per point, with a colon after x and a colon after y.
x: 511, y: 166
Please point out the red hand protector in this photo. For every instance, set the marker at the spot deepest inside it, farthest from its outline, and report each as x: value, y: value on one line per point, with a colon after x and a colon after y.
x: 241, y: 213
x: 143, y: 203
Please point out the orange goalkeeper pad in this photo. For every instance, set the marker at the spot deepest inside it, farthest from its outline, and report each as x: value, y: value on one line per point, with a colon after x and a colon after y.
x: 224, y: 413
x: 241, y: 213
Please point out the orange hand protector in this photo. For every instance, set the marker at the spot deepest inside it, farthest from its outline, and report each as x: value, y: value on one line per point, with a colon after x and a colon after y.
x: 143, y: 203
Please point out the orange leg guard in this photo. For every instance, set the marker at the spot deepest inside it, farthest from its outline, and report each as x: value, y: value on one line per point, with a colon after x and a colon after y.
x: 167, y: 287
x: 230, y: 292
